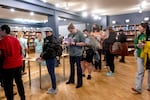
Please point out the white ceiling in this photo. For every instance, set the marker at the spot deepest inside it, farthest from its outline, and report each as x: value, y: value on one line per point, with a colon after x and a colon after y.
x: 98, y: 7
x: 102, y: 7
x: 21, y: 15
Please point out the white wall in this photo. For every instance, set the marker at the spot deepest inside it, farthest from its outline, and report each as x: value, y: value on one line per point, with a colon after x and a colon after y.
x: 64, y: 31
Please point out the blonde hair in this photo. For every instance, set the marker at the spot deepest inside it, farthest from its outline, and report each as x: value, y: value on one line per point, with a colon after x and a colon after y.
x: 39, y: 38
x: 71, y: 26
x: 20, y: 34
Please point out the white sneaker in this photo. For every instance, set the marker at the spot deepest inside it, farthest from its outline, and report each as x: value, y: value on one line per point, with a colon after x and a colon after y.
x: 105, y: 66
x: 51, y: 91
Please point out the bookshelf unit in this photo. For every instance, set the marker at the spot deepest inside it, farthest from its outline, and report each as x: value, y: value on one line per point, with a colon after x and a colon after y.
x: 131, y: 32
x: 30, y: 36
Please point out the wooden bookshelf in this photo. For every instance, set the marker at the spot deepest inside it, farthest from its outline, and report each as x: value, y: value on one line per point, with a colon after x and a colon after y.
x: 130, y: 31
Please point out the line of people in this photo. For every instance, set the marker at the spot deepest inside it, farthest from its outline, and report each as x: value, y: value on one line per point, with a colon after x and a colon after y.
x: 92, y: 45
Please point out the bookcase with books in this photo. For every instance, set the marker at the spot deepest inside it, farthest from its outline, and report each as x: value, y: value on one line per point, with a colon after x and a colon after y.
x: 131, y: 31
x: 30, y: 36
x: 28, y: 33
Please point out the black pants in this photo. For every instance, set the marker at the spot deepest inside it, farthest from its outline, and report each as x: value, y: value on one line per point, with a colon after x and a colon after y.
x: 1, y: 77
x: 110, y: 60
x: 23, y: 66
x: 122, y: 59
x: 73, y: 60
x: 8, y: 76
x: 99, y: 63
x: 24, y: 63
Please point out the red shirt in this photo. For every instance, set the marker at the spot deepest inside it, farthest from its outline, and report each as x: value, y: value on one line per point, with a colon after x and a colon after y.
x: 12, y: 52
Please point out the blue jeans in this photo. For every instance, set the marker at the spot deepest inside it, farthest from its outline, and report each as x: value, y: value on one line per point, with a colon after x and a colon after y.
x: 73, y: 60
x: 140, y: 74
x: 51, y: 69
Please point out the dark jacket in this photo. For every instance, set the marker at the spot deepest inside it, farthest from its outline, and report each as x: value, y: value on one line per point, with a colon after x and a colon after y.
x: 49, y: 46
x: 109, y: 41
x: 122, y: 38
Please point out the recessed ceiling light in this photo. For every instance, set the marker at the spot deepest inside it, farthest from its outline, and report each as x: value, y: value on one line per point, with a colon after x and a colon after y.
x: 127, y: 20
x: 95, y: 17
x: 99, y: 18
x: 57, y: 5
x: 12, y: 10
x: 16, y: 27
x: 146, y: 18
x: 143, y: 4
x: 31, y: 13
x: 113, y: 22
x: 84, y: 14
x: 140, y: 11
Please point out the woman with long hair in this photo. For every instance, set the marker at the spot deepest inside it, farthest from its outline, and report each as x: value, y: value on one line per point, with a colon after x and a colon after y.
x: 96, y: 33
x: 142, y: 46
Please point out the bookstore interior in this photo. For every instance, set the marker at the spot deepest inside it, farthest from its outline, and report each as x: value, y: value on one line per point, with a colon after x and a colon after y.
x: 30, y: 17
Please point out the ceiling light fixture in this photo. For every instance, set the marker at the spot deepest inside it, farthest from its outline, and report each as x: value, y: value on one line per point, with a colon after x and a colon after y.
x: 140, y: 11
x: 12, y: 10
x: 65, y: 19
x: 26, y: 20
x: 31, y: 13
x: 146, y: 18
x: 113, y: 22
x: 99, y: 18
x: 84, y: 14
x: 95, y: 17
x: 127, y: 20
x: 57, y: 5
x: 143, y: 4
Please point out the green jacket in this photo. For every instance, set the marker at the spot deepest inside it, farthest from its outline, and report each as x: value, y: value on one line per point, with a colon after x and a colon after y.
x: 138, y: 39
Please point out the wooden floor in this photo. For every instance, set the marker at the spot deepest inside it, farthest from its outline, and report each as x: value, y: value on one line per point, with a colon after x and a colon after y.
x: 100, y: 87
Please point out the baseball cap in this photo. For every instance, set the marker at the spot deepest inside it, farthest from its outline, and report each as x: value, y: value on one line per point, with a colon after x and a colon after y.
x: 47, y: 29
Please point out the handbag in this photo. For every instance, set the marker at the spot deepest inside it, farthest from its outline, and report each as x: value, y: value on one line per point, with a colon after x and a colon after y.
x: 115, y: 48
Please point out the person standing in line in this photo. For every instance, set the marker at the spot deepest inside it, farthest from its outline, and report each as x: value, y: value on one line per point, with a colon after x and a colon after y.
x: 12, y: 65
x: 123, y: 39
x: 38, y: 47
x: 1, y: 65
x: 75, y: 48
x: 142, y: 46
x: 96, y: 33
x: 23, y: 43
x: 38, y: 44
x: 110, y: 57
x: 105, y: 36
x: 88, y: 53
x: 50, y: 56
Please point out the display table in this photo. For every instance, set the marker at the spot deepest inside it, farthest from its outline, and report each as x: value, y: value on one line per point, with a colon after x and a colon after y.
x: 63, y: 63
x: 29, y: 68
x: 39, y: 62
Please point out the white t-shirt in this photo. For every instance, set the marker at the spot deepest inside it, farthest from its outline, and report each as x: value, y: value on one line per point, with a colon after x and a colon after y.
x: 23, y: 43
